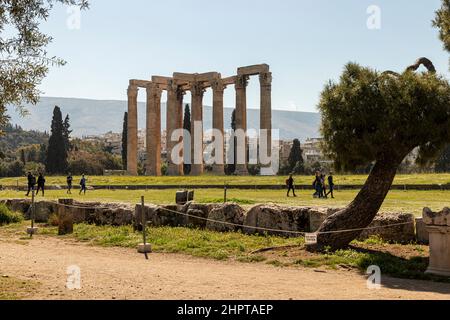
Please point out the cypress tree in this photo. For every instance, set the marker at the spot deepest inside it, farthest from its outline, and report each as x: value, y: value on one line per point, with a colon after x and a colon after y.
x: 295, y: 160
x: 66, y: 133
x: 125, y: 141
x: 231, y: 167
x: 56, y: 162
x: 187, y: 142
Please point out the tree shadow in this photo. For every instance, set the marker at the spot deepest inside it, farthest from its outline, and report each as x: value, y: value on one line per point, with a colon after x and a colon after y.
x: 397, y: 272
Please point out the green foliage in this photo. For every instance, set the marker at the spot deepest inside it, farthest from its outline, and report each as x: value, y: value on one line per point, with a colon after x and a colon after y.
x: 125, y: 141
x: 368, y: 116
x: 442, y: 21
x: 187, y: 143
x: 57, y: 153
x: 443, y: 162
x: 7, y: 216
x: 24, y: 58
x: 91, y: 158
x: 295, y: 159
x: 66, y: 132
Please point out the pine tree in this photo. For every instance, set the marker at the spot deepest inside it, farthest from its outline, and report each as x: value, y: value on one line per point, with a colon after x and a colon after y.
x: 125, y: 141
x: 56, y: 162
x: 295, y: 160
x: 187, y: 142
x: 66, y: 133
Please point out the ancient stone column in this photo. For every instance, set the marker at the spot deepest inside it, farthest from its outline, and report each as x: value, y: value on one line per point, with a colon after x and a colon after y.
x: 241, y: 122
x: 153, y: 166
x: 218, y: 89
x: 132, y: 134
x: 265, y: 80
x: 197, y: 91
x: 174, y: 121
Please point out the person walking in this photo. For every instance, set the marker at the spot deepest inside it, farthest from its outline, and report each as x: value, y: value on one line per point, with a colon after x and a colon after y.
x: 40, y: 184
x: 318, y: 185
x: 31, y: 183
x: 291, y: 186
x: 83, y: 184
x: 69, y: 180
x: 331, y: 185
x: 324, y: 186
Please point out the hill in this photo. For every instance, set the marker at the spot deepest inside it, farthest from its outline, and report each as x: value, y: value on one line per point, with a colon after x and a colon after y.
x: 92, y: 117
x: 16, y: 137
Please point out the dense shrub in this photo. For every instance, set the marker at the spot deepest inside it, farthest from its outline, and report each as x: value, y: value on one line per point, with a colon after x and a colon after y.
x: 7, y: 216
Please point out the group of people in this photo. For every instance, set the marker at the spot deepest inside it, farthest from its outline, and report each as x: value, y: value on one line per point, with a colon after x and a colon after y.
x: 319, y: 185
x: 41, y: 183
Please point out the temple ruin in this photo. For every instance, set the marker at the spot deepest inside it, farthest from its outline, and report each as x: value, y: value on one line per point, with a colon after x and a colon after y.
x: 176, y: 86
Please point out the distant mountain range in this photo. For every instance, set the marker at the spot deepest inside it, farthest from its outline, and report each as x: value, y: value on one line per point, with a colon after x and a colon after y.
x: 93, y: 117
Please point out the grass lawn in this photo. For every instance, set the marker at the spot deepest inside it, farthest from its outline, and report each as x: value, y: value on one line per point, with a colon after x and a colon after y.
x: 219, y: 180
x: 396, y: 201
x: 405, y: 261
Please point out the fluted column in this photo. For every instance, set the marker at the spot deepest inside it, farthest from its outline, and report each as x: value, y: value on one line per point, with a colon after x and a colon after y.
x: 132, y: 134
x: 174, y: 121
x: 218, y: 90
x: 265, y: 80
x: 197, y: 91
x: 153, y: 167
x: 241, y: 121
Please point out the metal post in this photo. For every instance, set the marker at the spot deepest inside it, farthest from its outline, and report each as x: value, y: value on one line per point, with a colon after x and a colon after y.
x: 144, y: 227
x: 144, y: 220
x: 225, y: 193
x: 32, y: 213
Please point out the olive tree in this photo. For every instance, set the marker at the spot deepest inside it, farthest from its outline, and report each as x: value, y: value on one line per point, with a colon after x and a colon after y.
x: 379, y: 117
x: 442, y: 21
x: 24, y: 61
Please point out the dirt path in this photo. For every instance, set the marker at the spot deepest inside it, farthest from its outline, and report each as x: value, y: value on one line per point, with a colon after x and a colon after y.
x: 115, y: 273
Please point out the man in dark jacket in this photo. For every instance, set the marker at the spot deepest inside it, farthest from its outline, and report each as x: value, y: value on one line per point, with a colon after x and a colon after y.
x: 40, y: 184
x: 83, y: 187
x: 291, y: 186
x: 31, y: 182
x: 69, y: 183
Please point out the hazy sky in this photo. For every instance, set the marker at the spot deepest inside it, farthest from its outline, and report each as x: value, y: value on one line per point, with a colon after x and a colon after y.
x: 306, y: 43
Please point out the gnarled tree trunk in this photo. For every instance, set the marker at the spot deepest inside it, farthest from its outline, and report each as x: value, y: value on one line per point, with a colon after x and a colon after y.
x: 361, y: 212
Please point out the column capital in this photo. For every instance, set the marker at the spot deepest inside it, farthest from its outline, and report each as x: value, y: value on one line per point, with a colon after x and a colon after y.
x: 132, y: 90
x: 265, y: 79
x: 175, y: 89
x: 218, y: 85
x: 197, y: 89
x: 241, y: 81
x: 153, y: 90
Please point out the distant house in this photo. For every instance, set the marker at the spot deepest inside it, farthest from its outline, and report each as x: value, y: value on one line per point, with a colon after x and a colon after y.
x: 312, y: 151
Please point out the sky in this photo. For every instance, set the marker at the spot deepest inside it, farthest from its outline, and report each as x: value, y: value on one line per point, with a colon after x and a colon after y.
x: 305, y: 42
